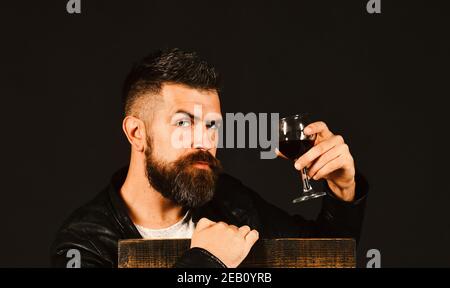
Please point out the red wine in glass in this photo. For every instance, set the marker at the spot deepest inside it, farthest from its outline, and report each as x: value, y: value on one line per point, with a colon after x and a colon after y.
x: 293, y: 149
x: 293, y: 143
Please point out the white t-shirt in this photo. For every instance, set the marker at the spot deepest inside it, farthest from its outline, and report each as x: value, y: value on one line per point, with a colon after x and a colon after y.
x: 177, y: 230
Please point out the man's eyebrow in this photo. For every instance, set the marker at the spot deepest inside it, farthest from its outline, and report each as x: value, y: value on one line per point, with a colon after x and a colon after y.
x: 187, y: 113
x: 181, y: 111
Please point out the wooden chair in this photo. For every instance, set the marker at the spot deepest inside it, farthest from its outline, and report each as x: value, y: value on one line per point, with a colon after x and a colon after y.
x: 266, y: 253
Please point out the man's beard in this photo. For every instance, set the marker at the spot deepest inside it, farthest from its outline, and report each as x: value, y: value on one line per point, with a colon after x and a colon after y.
x: 182, y: 182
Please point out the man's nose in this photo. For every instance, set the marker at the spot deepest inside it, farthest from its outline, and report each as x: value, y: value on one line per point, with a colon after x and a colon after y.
x: 202, y: 138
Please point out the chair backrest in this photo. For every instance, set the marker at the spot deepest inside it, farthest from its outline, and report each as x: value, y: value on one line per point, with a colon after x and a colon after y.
x: 266, y: 253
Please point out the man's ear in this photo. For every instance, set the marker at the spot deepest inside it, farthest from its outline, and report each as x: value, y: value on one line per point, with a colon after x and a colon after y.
x: 134, y: 129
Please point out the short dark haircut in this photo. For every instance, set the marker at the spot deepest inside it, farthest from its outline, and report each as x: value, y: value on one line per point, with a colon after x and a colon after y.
x: 167, y: 66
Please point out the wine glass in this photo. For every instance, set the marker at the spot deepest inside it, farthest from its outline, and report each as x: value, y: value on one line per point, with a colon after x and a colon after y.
x: 293, y: 143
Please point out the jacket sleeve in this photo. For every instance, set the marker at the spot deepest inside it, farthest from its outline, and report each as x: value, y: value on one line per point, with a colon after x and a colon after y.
x: 337, y: 218
x: 63, y: 255
x: 343, y: 219
x: 198, y: 258
x: 72, y: 251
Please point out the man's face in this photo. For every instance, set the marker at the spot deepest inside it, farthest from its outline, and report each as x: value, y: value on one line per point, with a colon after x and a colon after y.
x: 182, y: 144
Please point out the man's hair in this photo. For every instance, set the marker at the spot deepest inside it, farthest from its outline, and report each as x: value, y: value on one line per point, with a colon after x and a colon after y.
x: 166, y: 66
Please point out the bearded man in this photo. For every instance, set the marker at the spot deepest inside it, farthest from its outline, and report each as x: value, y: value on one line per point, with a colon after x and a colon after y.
x: 180, y: 191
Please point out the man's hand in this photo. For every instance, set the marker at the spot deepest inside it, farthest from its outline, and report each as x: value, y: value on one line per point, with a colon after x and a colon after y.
x: 329, y: 159
x: 227, y: 242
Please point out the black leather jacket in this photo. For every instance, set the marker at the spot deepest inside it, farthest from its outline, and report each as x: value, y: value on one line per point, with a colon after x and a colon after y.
x: 95, y: 228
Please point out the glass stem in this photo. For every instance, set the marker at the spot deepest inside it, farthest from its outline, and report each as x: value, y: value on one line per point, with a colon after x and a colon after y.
x: 305, y: 179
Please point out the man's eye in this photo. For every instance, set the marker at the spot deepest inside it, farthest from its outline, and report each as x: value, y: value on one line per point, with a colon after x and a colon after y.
x: 213, y: 125
x: 183, y: 123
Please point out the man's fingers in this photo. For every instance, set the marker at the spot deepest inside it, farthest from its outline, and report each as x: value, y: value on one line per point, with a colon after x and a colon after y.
x: 279, y: 154
x: 204, y: 223
x: 316, y: 151
x: 233, y: 228
x: 328, y: 156
x: 251, y: 238
x: 244, y: 230
x: 319, y: 128
x: 330, y: 167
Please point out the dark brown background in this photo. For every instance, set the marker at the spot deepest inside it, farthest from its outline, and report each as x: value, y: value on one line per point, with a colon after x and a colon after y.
x: 372, y: 78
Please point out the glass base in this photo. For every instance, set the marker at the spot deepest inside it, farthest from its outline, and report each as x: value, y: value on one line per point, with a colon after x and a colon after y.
x: 308, y: 196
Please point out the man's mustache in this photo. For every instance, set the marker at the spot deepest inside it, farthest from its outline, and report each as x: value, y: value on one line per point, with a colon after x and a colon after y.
x: 199, y: 156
